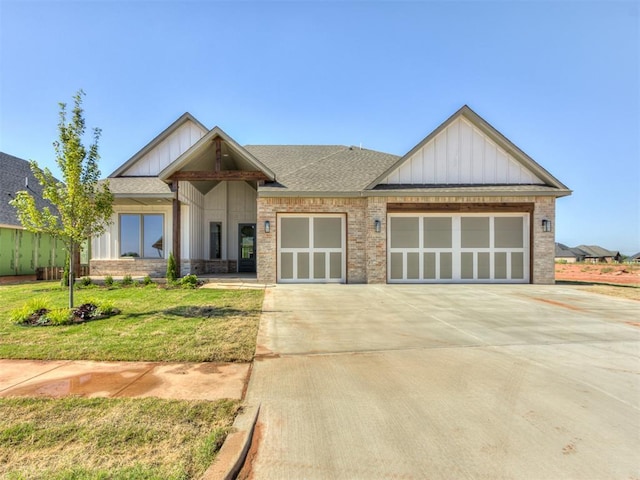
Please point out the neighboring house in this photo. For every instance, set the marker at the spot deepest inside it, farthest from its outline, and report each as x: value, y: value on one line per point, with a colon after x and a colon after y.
x: 596, y: 254
x: 22, y: 252
x: 464, y: 205
x: 634, y: 258
x: 568, y: 255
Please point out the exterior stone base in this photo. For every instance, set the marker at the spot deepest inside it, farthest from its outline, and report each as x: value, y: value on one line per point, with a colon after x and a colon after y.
x: 158, y: 268
x: 130, y: 266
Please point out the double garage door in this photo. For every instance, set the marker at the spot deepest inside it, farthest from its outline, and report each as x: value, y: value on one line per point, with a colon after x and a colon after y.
x: 458, y: 248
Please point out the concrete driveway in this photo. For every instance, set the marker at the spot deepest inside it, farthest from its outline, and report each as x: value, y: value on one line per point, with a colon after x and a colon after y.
x: 446, y: 381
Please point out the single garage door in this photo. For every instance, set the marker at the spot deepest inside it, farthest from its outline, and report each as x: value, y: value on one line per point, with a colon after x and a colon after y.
x: 458, y: 248
x: 311, y: 248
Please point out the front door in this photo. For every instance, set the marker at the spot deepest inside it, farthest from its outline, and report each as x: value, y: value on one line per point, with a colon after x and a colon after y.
x: 247, y: 247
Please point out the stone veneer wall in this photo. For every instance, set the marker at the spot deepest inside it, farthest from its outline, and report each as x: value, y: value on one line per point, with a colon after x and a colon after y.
x: 367, y: 249
x: 129, y: 266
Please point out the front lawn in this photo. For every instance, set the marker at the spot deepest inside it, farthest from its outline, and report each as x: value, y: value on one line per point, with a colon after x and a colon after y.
x: 155, y: 325
x: 96, y: 438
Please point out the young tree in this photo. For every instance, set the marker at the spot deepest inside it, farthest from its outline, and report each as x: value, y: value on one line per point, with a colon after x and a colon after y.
x: 82, y: 207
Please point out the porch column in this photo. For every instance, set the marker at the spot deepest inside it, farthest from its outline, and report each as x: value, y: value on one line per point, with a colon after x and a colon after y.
x: 176, y: 225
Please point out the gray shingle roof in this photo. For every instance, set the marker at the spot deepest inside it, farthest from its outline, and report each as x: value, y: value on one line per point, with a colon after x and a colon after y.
x: 321, y: 168
x: 138, y: 186
x: 14, y: 170
x: 596, y: 251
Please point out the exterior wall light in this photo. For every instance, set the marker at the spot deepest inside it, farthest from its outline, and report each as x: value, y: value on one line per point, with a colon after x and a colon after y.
x: 546, y: 225
x: 267, y: 226
x: 378, y: 225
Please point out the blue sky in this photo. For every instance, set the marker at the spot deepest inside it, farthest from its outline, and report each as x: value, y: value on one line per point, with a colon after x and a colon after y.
x: 559, y: 79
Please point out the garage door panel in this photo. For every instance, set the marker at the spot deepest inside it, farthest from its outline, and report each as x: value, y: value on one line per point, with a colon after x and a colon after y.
x: 413, y: 266
x: 484, y: 265
x: 327, y: 232
x: 311, y: 248
x: 335, y: 265
x: 500, y: 265
x: 517, y: 265
x: 294, y: 232
x: 508, y: 232
x: 437, y: 232
x: 462, y: 247
x: 474, y: 232
x: 405, y: 232
x: 319, y: 265
x: 303, y: 265
x: 429, y: 266
x: 286, y: 265
x: 446, y: 266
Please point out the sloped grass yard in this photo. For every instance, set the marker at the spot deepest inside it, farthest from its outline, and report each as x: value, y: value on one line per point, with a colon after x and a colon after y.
x: 78, y: 438
x: 81, y: 438
x: 156, y: 324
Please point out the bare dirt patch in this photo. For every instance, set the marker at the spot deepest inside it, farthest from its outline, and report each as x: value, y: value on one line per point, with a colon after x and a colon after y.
x: 599, y: 273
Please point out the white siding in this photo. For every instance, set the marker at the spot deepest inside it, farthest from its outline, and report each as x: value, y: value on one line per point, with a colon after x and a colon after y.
x: 192, y: 218
x: 178, y: 142
x: 107, y: 246
x: 461, y: 154
x: 229, y: 203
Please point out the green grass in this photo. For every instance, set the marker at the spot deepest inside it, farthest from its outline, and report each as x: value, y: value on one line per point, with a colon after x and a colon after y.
x: 156, y: 324
x: 78, y: 438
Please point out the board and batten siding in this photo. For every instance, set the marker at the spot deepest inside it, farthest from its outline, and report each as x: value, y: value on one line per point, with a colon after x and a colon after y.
x: 229, y: 203
x: 178, y: 142
x: 192, y: 217
x: 462, y: 154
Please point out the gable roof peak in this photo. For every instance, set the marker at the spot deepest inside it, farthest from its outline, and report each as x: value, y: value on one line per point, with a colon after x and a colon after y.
x: 182, y: 119
x: 487, y: 130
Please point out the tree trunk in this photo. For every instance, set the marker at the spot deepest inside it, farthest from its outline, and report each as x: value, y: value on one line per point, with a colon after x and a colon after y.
x: 71, y: 273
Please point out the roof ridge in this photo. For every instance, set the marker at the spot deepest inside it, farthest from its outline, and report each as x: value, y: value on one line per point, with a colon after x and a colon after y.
x: 343, y: 148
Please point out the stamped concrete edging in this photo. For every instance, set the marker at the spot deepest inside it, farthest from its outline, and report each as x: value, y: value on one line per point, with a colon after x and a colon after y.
x: 233, y: 453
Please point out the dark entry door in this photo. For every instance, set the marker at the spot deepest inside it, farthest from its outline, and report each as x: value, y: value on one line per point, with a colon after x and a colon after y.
x: 247, y: 247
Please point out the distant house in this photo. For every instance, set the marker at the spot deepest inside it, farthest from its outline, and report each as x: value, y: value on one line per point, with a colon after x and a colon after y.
x: 568, y: 255
x: 22, y: 252
x: 596, y: 254
x: 634, y: 258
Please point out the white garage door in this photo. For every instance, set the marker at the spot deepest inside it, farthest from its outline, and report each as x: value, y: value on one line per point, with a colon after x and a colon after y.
x: 311, y: 248
x: 460, y: 248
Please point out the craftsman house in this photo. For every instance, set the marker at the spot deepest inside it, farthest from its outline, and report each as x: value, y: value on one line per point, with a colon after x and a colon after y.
x: 464, y: 205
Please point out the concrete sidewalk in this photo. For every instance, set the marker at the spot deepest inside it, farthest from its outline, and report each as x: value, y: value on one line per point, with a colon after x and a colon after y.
x: 179, y: 381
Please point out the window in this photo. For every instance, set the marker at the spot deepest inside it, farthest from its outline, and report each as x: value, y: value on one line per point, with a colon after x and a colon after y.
x: 141, y: 235
x: 215, y: 240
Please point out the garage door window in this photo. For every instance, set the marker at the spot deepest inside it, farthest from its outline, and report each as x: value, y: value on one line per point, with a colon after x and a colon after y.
x: 458, y: 247
x: 311, y: 248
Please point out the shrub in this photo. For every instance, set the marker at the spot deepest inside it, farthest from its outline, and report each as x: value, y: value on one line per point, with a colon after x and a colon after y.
x: 172, y: 269
x: 85, y: 281
x: 38, y: 303
x: 127, y: 280
x: 34, y: 305
x: 189, y: 281
x: 147, y: 280
x: 20, y: 315
x: 108, y: 281
x: 106, y: 307
x: 58, y: 316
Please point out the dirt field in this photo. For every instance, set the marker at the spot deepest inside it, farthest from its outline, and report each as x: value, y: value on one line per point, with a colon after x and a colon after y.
x: 615, y: 280
x: 599, y: 273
